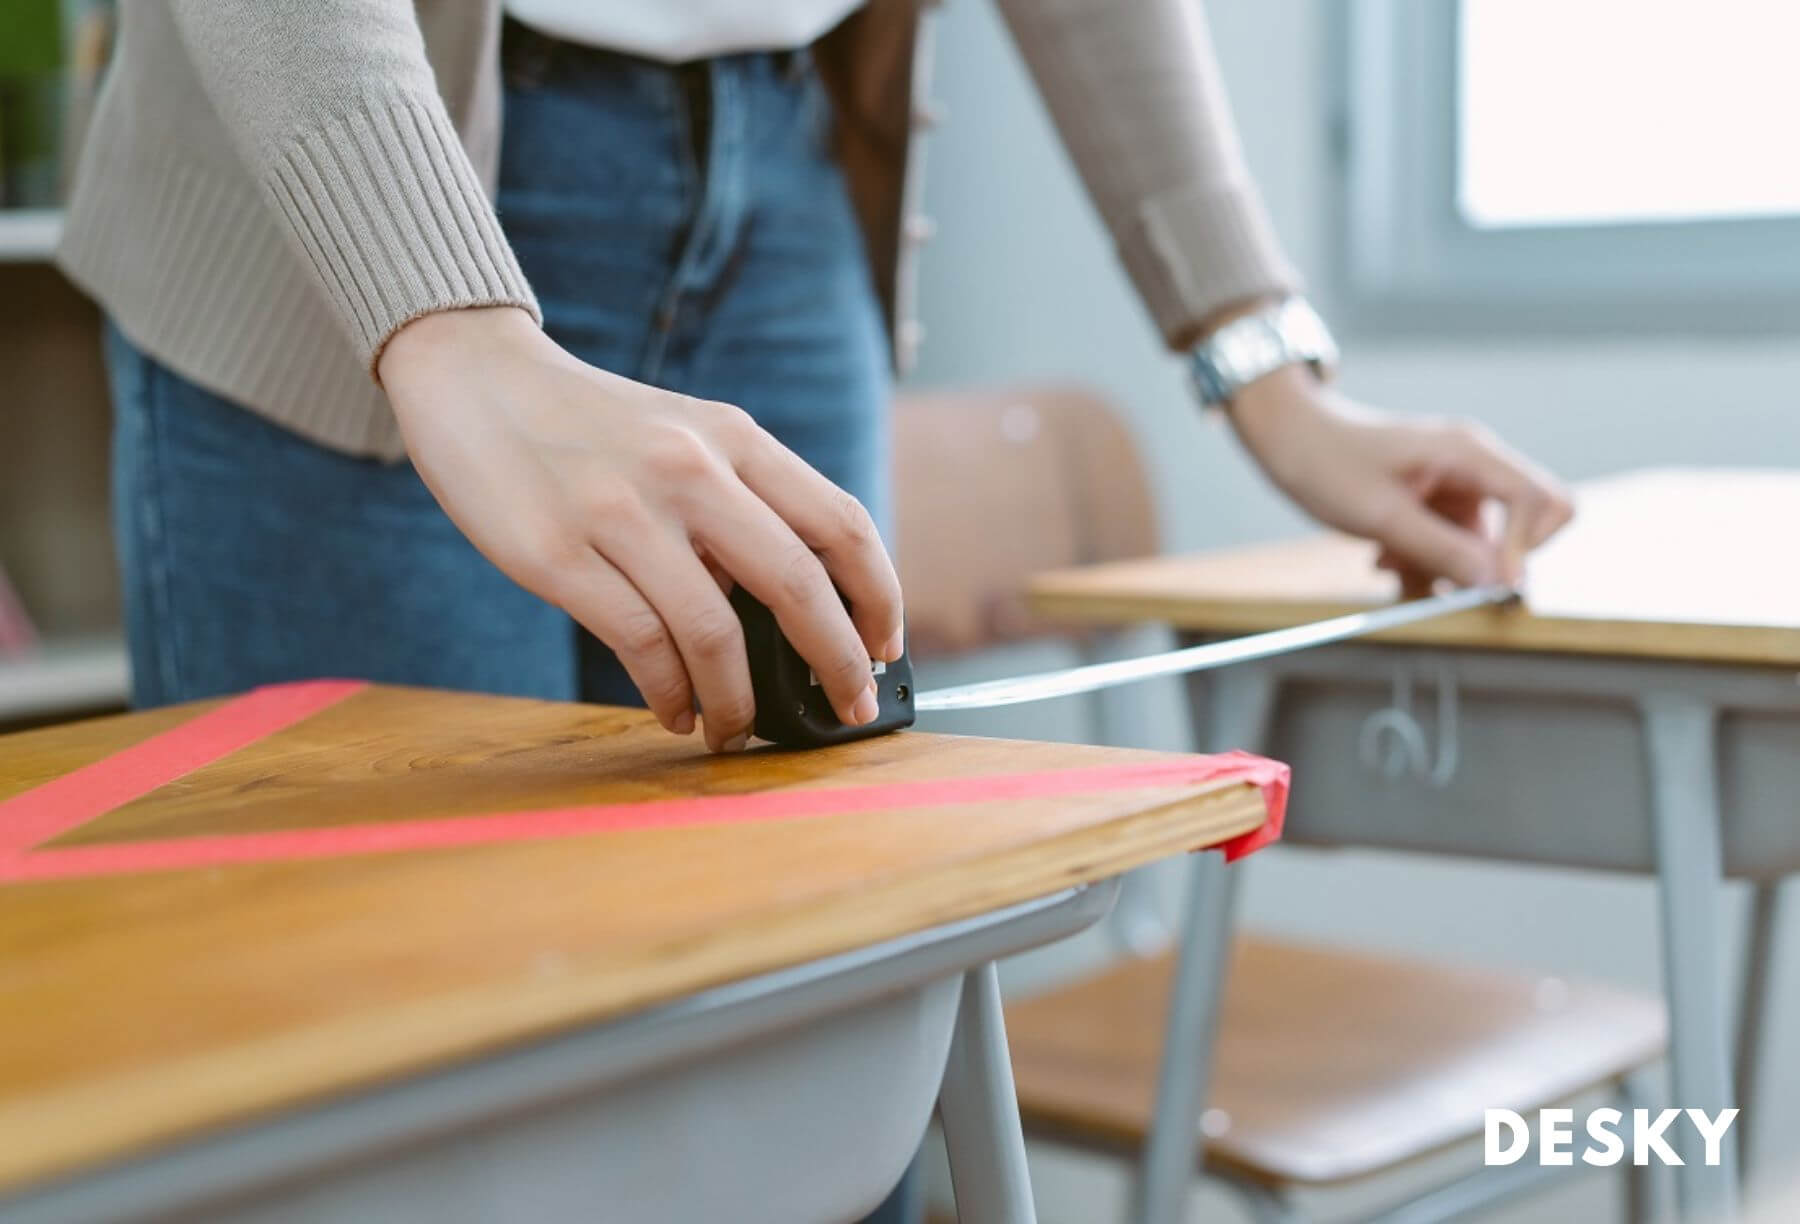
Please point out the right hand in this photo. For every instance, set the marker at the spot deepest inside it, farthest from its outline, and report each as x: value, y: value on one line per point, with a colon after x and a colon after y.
x: 628, y: 507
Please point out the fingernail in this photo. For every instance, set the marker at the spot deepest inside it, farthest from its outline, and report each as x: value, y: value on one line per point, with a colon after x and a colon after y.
x: 736, y: 743
x: 683, y: 723
x: 896, y: 646
x: 865, y: 709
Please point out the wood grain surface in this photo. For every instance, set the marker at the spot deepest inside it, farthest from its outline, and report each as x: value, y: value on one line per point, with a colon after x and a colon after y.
x: 137, y: 1009
x: 1681, y: 564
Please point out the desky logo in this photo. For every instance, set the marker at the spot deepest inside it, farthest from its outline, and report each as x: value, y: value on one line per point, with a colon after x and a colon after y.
x: 1608, y: 1134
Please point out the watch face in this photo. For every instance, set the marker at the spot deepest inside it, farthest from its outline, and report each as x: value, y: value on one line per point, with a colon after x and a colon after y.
x: 1306, y: 333
x: 1246, y: 349
x: 1245, y: 354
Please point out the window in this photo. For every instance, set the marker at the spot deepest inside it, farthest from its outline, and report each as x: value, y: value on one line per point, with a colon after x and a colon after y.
x: 1604, y: 164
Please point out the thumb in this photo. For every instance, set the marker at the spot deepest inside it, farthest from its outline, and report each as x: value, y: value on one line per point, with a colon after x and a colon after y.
x: 1436, y: 545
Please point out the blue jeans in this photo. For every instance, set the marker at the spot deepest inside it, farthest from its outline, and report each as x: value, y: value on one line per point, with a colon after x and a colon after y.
x: 686, y: 228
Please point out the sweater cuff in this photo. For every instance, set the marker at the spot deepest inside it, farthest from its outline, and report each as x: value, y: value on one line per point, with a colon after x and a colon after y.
x: 389, y: 211
x: 1197, y: 249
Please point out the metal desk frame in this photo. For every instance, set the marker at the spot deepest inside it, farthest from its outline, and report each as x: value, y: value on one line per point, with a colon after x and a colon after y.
x: 1679, y: 707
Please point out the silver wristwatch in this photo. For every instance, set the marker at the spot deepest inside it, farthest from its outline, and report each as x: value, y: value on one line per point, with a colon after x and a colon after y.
x: 1246, y: 348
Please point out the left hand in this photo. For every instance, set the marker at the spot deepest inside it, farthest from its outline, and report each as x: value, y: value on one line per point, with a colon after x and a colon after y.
x: 1414, y: 485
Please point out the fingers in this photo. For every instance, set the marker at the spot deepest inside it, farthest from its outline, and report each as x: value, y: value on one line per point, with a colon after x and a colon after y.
x: 766, y: 556
x: 724, y: 580
x: 1419, y: 537
x: 552, y: 556
x: 1415, y: 583
x: 590, y: 490
x: 836, y: 527
x: 1457, y: 504
x: 613, y: 610
x: 1558, y: 512
x: 705, y: 630
x: 701, y: 529
x: 1535, y: 503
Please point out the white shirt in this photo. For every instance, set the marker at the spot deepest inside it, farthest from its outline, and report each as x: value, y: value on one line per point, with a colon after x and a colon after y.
x: 675, y: 31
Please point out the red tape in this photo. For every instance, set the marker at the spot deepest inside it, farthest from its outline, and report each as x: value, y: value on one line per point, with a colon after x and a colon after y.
x: 39, y: 814
x: 28, y: 819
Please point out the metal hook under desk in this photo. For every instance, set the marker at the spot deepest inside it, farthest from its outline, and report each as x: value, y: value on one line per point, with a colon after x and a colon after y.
x: 1393, y: 742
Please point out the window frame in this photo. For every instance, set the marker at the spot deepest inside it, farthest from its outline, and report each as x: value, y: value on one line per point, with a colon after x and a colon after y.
x: 1409, y: 261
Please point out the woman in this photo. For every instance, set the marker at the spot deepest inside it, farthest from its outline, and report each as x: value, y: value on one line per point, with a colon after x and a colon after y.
x: 346, y: 445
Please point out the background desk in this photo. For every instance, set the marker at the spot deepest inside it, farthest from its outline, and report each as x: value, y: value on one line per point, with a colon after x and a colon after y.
x: 681, y: 1016
x: 1641, y: 714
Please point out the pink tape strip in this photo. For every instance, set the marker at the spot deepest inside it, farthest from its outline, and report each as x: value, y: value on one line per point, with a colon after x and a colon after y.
x: 39, y: 814
x: 294, y: 844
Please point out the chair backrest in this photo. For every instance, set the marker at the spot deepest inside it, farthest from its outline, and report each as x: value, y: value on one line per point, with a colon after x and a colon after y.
x: 993, y: 486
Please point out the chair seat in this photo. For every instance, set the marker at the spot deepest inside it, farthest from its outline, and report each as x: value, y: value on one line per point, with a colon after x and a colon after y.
x: 1330, y: 1065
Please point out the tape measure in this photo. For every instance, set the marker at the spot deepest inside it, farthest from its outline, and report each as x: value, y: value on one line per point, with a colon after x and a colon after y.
x: 793, y: 711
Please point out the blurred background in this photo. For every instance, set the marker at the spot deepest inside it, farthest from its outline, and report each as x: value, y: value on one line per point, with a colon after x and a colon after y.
x: 59, y: 605
x: 1579, y: 223
x: 1603, y: 303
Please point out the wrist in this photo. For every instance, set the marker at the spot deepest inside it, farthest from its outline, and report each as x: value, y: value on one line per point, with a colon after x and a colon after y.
x: 1256, y: 345
x: 1280, y: 402
x: 433, y: 340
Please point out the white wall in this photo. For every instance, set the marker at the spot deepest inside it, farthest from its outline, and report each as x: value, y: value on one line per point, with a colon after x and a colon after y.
x: 1021, y: 284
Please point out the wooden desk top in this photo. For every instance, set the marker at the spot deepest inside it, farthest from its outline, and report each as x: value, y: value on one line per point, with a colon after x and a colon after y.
x: 1670, y: 563
x: 139, y: 1007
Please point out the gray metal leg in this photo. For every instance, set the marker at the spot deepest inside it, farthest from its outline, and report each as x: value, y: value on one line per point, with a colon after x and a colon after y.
x: 979, y: 1109
x: 1166, y: 1172
x: 1119, y: 717
x: 1637, y: 1204
x: 1684, y: 809
x: 1240, y: 705
x: 1754, y: 1001
x: 1641, y: 1202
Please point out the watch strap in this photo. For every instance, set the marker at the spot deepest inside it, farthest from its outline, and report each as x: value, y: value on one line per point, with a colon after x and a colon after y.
x: 1289, y: 332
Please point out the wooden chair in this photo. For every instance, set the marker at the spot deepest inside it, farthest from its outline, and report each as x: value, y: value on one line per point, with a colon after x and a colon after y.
x: 1331, y: 1067
x: 994, y: 486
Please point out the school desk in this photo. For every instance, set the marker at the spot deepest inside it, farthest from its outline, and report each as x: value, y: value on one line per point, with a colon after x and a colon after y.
x: 331, y: 951
x: 1640, y: 713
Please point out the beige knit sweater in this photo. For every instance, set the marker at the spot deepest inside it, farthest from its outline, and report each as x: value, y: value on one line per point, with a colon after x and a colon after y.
x: 272, y: 188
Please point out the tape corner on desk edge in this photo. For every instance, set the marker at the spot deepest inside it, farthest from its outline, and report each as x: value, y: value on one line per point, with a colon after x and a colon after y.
x: 1274, y: 779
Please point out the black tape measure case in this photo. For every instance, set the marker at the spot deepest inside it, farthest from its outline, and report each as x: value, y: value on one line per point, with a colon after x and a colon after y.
x: 791, y: 709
